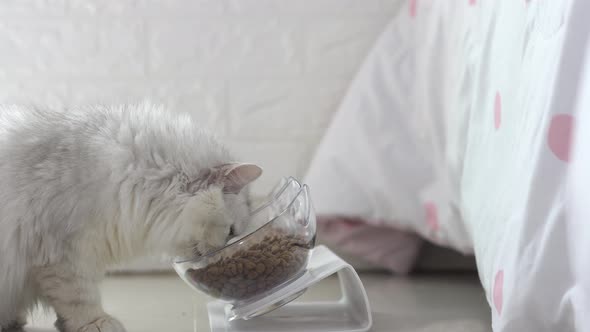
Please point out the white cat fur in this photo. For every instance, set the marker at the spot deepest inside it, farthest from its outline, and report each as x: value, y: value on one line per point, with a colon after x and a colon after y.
x: 84, y: 189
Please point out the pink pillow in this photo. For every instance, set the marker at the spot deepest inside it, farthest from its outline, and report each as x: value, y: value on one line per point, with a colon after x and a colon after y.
x: 380, y: 245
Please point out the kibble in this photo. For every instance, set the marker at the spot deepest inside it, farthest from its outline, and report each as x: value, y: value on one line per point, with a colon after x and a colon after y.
x: 253, y: 270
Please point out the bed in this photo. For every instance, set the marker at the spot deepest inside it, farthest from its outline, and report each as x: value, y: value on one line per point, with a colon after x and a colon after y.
x: 467, y: 127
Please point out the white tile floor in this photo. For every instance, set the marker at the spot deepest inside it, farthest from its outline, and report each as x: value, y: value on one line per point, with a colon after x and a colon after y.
x: 159, y: 303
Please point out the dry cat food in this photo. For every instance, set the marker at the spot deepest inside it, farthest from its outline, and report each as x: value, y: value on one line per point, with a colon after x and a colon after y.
x: 253, y: 270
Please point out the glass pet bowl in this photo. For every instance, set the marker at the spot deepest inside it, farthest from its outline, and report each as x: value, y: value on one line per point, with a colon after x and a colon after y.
x: 264, y: 260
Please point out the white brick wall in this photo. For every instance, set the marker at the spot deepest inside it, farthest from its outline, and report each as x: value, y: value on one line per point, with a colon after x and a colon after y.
x: 264, y: 74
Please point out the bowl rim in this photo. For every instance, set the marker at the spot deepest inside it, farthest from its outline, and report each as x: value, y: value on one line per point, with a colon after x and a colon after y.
x: 278, y: 194
x: 303, y: 189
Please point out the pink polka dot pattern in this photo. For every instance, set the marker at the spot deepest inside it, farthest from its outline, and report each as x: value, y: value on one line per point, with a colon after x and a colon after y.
x: 413, y: 7
x: 497, y: 111
x: 431, y: 216
x: 559, y: 136
x: 499, y: 291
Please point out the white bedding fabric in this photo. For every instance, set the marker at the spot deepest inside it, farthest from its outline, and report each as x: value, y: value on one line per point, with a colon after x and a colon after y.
x: 458, y: 127
x: 578, y: 222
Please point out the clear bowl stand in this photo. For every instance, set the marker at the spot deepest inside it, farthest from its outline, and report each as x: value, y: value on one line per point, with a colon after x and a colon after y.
x: 276, y: 313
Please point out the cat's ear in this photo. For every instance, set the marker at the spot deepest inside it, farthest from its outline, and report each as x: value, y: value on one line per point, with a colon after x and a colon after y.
x: 237, y: 176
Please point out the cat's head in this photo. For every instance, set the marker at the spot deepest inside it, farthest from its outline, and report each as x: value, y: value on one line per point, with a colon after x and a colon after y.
x: 218, y: 208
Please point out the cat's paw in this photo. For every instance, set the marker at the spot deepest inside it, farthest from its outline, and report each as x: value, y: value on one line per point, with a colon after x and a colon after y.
x: 215, y: 238
x: 103, y: 324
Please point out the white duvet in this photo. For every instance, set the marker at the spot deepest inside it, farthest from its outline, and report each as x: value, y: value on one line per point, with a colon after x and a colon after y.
x: 459, y: 127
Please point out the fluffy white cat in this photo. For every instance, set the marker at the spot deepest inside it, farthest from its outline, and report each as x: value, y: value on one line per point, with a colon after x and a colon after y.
x: 85, y: 189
